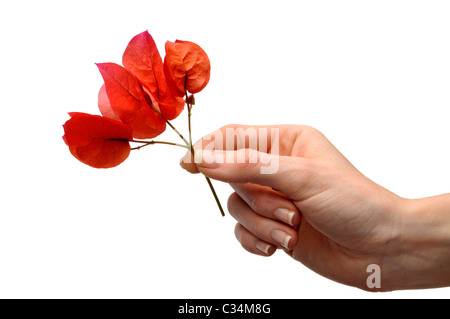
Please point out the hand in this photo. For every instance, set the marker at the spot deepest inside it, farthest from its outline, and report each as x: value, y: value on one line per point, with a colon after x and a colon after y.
x: 316, y: 206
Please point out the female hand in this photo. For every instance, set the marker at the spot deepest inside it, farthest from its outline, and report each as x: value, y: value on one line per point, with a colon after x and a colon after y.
x: 317, y: 207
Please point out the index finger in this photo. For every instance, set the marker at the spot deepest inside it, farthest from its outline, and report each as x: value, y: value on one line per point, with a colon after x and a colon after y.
x: 264, y: 139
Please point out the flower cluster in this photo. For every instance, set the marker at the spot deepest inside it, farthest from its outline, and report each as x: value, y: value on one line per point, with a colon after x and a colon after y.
x: 137, y: 100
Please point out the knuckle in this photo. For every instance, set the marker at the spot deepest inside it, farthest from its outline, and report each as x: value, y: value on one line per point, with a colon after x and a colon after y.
x: 258, y: 230
x: 231, y: 203
x: 305, y: 178
x: 258, y: 203
x: 314, y: 133
x: 238, y: 232
x: 254, y: 227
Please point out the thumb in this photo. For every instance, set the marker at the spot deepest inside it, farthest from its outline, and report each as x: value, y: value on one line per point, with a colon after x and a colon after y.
x: 293, y: 176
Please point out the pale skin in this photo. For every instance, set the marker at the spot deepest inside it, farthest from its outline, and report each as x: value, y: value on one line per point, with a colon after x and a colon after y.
x: 324, y: 213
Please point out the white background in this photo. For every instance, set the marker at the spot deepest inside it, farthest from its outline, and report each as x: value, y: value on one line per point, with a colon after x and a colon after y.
x: 374, y: 76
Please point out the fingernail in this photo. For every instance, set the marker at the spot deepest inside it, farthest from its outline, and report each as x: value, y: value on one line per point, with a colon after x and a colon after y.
x: 263, y: 247
x: 285, y: 215
x: 281, y: 237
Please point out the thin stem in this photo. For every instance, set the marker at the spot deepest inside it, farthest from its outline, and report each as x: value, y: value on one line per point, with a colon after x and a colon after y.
x: 188, y: 146
x: 189, y: 124
x: 147, y: 143
x: 215, y: 196
x: 189, y: 107
x: 168, y: 123
x: 189, y: 102
x: 176, y: 131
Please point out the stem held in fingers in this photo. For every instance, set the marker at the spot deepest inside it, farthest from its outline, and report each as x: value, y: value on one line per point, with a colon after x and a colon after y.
x: 190, y: 100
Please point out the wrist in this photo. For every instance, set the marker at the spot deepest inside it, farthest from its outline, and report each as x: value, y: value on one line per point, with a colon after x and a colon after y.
x: 423, y: 245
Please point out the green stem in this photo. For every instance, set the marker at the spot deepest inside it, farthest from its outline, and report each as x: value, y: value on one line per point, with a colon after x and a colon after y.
x: 215, y: 196
x: 189, y: 125
x: 176, y: 131
x: 147, y: 143
x: 188, y: 146
x: 189, y: 107
x: 168, y: 123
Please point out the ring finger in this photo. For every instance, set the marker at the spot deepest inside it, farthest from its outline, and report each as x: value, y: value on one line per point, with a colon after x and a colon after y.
x: 266, y: 229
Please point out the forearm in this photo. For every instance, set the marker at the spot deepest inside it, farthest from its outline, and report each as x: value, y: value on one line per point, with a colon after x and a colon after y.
x: 424, y: 244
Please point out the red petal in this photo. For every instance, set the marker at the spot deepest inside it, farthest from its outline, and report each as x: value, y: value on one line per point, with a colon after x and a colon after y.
x: 172, y: 102
x: 104, y: 105
x: 97, y: 141
x: 142, y: 58
x: 188, y: 65
x: 129, y: 103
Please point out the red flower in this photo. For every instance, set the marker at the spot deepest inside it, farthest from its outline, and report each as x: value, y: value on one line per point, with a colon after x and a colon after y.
x: 141, y: 57
x: 187, y: 65
x: 130, y: 103
x: 97, y: 141
x: 137, y: 99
